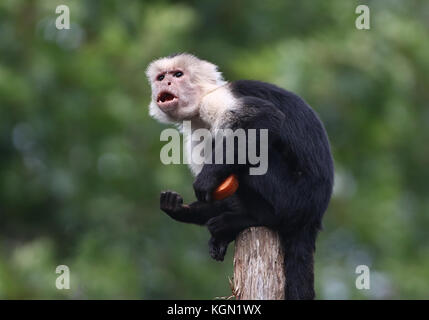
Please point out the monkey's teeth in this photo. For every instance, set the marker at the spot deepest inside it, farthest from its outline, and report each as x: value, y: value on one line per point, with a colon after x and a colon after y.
x: 165, y: 98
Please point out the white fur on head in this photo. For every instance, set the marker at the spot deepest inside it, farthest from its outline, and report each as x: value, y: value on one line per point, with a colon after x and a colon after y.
x: 204, y: 77
x: 202, y: 72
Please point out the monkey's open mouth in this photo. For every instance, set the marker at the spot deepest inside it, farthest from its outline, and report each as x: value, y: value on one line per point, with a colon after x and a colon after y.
x: 167, y: 101
x: 165, y: 96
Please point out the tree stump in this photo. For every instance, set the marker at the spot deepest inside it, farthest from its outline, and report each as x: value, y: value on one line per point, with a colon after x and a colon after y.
x: 259, y: 265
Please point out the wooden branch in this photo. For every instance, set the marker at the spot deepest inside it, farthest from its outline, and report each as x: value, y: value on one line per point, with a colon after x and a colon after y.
x: 258, y: 265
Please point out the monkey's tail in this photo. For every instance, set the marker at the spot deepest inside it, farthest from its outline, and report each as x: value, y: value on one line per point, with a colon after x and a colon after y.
x: 299, y: 247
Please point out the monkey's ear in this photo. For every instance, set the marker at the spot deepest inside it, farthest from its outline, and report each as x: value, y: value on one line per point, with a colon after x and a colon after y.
x: 151, y: 71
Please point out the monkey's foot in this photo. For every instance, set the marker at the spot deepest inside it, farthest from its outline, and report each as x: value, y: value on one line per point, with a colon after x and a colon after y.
x: 217, y: 249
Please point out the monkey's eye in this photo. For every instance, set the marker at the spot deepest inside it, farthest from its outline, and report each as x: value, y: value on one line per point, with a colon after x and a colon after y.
x: 178, y: 74
x: 160, y: 77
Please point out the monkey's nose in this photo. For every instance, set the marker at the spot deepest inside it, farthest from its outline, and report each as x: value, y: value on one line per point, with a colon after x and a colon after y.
x: 169, y: 83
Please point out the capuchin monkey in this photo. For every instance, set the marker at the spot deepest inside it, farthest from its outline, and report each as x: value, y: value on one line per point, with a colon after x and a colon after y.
x: 290, y: 198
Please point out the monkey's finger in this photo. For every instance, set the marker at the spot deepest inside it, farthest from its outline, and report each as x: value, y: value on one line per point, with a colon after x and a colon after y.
x: 162, y: 197
x: 178, y: 201
x: 169, y: 197
x: 221, y: 251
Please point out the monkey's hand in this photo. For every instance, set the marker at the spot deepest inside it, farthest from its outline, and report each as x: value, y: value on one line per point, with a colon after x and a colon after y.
x: 172, y: 204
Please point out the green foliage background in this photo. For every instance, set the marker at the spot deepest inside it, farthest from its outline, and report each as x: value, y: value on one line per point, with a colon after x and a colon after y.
x: 80, y: 173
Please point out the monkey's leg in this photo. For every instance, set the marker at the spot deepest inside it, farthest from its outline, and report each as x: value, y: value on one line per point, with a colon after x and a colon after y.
x: 228, y: 225
x: 225, y: 228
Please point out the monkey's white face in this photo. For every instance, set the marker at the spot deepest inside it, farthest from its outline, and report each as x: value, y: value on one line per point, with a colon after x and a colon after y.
x: 175, y: 94
x: 178, y: 84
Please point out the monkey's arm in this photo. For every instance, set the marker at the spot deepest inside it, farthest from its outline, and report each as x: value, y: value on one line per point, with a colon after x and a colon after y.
x: 256, y: 114
x: 197, y: 212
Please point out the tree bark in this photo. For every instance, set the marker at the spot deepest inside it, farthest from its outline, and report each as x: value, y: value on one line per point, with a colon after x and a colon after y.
x: 259, y: 265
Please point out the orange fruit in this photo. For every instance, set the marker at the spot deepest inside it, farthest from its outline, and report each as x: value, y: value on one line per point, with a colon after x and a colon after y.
x: 227, y: 188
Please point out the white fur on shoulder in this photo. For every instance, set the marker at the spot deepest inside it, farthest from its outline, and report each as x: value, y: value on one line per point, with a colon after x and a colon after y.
x: 215, y: 104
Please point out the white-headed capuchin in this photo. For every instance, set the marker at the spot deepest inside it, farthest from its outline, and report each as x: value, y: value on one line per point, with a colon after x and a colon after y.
x: 290, y: 198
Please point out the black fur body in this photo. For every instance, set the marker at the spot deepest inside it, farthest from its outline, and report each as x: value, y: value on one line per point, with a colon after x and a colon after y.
x: 290, y: 198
